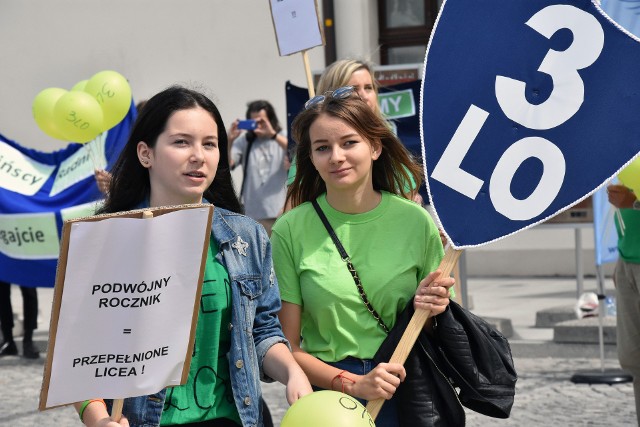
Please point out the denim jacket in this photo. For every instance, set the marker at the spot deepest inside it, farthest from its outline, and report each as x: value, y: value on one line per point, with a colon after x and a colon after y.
x: 245, y: 250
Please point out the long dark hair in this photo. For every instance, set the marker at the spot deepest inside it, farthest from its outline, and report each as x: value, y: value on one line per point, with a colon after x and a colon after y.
x: 392, y: 171
x: 130, y: 181
x: 256, y: 107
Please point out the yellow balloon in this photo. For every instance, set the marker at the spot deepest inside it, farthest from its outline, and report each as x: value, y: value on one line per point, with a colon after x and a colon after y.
x: 78, y: 116
x: 630, y: 176
x: 42, y: 109
x: 327, y: 408
x: 80, y: 85
x: 113, y: 93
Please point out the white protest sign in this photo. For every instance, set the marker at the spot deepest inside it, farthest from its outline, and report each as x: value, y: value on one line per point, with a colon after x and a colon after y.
x: 125, y: 308
x: 297, y: 25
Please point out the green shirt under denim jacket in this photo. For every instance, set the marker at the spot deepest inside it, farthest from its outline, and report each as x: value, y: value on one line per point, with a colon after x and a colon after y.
x: 245, y: 251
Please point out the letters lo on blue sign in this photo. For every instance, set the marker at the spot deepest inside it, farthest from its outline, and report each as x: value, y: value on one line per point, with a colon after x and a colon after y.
x: 527, y: 107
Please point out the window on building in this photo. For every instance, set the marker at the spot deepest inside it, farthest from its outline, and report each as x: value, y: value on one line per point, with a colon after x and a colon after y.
x: 405, y: 26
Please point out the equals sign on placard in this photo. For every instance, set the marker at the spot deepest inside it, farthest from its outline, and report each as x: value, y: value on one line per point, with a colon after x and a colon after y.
x: 126, y: 331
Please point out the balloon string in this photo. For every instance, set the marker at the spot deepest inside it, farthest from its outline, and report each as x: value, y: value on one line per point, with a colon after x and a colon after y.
x: 93, y: 155
x: 620, y: 222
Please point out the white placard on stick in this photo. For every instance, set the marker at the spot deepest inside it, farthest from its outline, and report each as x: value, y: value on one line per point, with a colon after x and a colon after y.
x: 125, y: 304
x: 297, y: 25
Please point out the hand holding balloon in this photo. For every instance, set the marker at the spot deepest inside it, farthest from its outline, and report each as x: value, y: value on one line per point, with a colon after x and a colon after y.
x: 327, y: 408
x: 620, y: 196
x: 630, y: 176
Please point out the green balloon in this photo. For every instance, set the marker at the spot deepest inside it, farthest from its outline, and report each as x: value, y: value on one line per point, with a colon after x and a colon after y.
x: 42, y: 109
x: 113, y: 93
x: 80, y: 85
x: 78, y: 116
x: 327, y: 408
x: 630, y: 176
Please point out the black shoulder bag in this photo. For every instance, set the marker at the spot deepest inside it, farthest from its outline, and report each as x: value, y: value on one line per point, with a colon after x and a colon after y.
x: 352, y: 269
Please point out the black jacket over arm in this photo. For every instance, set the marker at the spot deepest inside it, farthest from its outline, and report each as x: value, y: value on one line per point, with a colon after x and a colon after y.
x: 465, y: 362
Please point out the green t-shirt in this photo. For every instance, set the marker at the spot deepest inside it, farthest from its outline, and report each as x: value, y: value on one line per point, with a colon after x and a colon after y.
x: 207, y: 395
x: 392, y: 247
x: 291, y: 174
x: 629, y: 242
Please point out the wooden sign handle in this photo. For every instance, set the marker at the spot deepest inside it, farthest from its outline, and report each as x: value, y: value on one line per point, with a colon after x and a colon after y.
x: 414, y: 327
x: 116, y: 409
x: 307, y: 71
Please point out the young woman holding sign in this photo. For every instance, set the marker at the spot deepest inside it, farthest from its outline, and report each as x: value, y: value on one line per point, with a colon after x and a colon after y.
x: 354, y: 167
x: 177, y: 154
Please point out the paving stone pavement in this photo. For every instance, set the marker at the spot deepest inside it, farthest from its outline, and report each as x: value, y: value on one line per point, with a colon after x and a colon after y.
x: 545, y: 396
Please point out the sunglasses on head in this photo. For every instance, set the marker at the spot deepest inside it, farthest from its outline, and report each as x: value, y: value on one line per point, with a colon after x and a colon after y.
x: 340, y: 93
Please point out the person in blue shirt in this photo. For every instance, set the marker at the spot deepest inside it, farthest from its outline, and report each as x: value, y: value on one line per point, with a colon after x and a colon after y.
x: 177, y: 154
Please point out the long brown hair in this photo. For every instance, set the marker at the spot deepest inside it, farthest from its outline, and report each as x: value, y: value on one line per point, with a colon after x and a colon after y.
x: 393, y: 171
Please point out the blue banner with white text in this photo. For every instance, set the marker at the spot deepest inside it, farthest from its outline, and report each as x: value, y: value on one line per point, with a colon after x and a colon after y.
x: 39, y: 191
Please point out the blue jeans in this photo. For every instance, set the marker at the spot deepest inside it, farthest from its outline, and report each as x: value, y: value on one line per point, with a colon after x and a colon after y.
x: 388, y: 416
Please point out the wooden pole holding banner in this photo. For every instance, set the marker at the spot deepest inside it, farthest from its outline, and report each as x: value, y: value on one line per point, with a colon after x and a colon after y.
x: 307, y: 72
x: 116, y: 409
x: 414, y: 328
x: 457, y: 286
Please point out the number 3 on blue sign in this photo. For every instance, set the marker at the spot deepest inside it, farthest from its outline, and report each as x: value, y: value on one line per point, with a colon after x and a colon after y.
x: 564, y: 101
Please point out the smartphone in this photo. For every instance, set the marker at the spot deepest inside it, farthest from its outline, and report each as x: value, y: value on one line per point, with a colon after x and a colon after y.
x: 247, y: 124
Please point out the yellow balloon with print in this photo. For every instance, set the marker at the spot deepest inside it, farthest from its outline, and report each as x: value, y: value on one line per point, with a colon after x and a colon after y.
x: 327, y: 408
x: 630, y: 176
x: 78, y: 116
x: 42, y: 109
x: 113, y: 93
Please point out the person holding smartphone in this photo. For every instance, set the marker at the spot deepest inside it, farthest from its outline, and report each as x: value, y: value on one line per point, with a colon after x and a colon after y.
x: 260, y: 146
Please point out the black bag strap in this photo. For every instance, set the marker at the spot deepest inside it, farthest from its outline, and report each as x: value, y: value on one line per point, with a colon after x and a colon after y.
x: 352, y: 269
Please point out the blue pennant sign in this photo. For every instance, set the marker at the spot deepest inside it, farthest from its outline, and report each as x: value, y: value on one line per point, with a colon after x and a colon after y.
x: 527, y: 107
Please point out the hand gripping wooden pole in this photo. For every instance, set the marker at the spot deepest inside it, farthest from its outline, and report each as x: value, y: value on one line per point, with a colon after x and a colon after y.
x: 116, y: 408
x: 416, y: 324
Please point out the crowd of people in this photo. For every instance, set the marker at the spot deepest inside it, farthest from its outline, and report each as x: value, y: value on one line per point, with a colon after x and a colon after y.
x: 325, y: 224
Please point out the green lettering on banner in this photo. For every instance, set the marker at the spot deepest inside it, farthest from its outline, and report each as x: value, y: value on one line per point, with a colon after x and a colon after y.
x: 29, y: 236
x: 396, y: 105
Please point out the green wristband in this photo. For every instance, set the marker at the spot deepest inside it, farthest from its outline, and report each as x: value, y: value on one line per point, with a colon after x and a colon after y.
x: 82, y: 408
x: 87, y: 403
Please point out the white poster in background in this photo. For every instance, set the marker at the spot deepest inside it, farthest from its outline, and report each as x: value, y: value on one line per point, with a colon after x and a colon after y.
x: 126, y: 311
x: 297, y: 25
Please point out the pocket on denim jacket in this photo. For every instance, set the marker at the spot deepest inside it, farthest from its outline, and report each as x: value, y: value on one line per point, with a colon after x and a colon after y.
x: 252, y: 288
